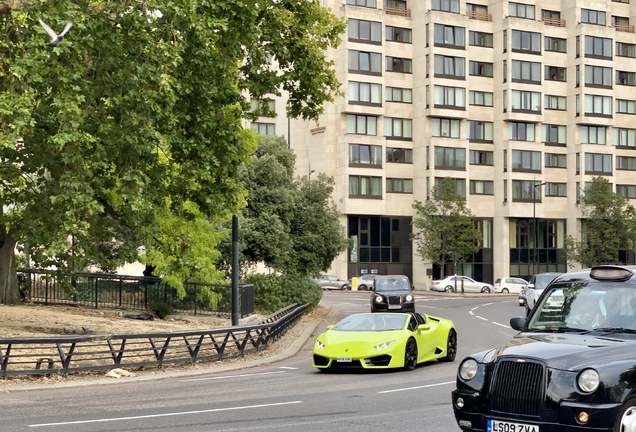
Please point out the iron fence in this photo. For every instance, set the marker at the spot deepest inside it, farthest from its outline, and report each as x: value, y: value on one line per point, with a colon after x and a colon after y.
x: 50, y: 355
x: 100, y: 290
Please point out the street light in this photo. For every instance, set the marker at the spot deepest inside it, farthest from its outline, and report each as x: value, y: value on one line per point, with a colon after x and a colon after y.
x: 534, y: 217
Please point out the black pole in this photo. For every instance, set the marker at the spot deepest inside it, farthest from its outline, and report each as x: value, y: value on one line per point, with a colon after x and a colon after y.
x: 235, y: 272
x: 534, y: 229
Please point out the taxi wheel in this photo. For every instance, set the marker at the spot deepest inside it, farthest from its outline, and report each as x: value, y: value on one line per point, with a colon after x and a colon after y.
x: 451, y: 347
x: 626, y: 420
x: 410, y: 355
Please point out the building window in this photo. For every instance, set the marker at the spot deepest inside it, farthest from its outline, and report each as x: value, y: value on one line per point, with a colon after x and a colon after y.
x: 480, y: 69
x: 450, y: 158
x: 482, y: 187
x: 450, y: 67
x: 626, y: 163
x: 625, y: 78
x: 554, y: 73
x: 361, y: 125
x: 364, y: 3
x: 398, y: 128
x: 524, y: 190
x: 481, y: 157
x: 625, y: 106
x: 444, y: 127
x: 365, y: 31
x: 520, y: 131
x: 480, y: 98
x: 555, y: 44
x: 521, y: 10
x: 593, y: 135
x: 622, y: 137
x: 578, y: 163
x: 480, y: 39
x: 553, y: 102
x: 395, y: 185
x: 624, y: 49
x: 598, y: 105
x: 526, y: 42
x: 394, y: 94
x: 526, y: 71
x: 365, y: 62
x: 623, y: 21
x: 549, y: 14
x: 367, y: 93
x: 596, y: 163
x: 449, y: 36
x: 264, y: 107
x: 399, y: 34
x: 399, y: 155
x: 553, y: 134
x: 556, y: 189
x: 446, y: 5
x: 365, y: 186
x: 365, y: 155
x: 264, y: 128
x: 397, y: 64
x: 525, y: 160
x: 460, y: 185
x: 480, y: 131
x: 449, y: 97
x: 598, y: 76
x: 590, y: 16
x: 553, y: 160
x: 526, y: 101
x: 626, y: 191
x: 598, y: 47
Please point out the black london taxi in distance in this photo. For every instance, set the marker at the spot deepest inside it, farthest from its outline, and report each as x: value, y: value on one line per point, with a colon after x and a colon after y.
x: 571, y: 368
x: 392, y: 294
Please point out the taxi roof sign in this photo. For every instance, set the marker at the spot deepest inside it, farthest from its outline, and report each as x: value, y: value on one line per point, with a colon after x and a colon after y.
x: 609, y: 272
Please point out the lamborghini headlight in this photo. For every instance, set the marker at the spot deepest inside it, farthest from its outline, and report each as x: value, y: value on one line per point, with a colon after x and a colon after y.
x: 320, y: 345
x: 378, y: 299
x: 383, y: 345
x: 588, y: 380
x: 409, y: 297
x: 468, y: 369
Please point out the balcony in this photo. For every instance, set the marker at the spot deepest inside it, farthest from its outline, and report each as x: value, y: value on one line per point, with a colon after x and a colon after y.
x: 481, y: 16
x: 390, y: 10
x: 553, y: 22
x: 624, y: 28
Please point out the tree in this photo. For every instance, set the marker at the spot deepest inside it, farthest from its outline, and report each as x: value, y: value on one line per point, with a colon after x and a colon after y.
x: 608, y: 225
x: 139, y: 112
x: 443, y: 226
x: 290, y: 224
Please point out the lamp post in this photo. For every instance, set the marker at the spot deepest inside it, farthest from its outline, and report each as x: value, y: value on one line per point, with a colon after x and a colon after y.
x: 310, y: 173
x: 534, y: 225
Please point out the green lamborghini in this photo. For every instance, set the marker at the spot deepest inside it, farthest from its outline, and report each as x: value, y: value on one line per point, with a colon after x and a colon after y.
x: 385, y: 340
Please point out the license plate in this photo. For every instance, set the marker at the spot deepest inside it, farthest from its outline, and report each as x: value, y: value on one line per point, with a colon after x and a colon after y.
x: 343, y: 359
x: 503, y: 426
x: 395, y: 306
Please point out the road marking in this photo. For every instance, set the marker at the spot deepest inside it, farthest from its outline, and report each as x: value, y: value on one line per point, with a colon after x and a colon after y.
x: 231, y: 376
x: 287, y: 367
x: 487, y: 304
x: 416, y: 388
x: 481, y: 318
x: 103, y: 420
x: 471, y: 312
x: 476, y: 307
x: 502, y: 325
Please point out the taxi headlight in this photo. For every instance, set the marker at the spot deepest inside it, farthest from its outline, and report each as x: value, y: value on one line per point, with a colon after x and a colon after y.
x: 468, y: 369
x: 383, y: 345
x: 588, y: 380
x: 378, y: 299
x: 320, y: 345
x: 409, y: 297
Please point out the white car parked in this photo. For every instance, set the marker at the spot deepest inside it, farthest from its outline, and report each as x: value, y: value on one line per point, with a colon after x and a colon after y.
x: 449, y: 283
x: 509, y: 285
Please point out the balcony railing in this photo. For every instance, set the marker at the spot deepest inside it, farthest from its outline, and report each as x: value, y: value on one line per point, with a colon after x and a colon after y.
x: 481, y: 16
x: 554, y: 22
x: 624, y: 28
x: 390, y: 10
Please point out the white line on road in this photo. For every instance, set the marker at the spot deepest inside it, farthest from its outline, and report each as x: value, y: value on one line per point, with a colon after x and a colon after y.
x: 502, y: 325
x: 287, y: 367
x: 165, y: 414
x: 481, y: 318
x: 476, y: 307
x: 418, y: 387
x: 231, y: 376
x: 488, y: 304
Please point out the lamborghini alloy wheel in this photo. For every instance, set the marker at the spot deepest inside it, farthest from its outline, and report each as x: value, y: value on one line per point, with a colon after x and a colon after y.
x: 410, y: 355
x: 451, y: 347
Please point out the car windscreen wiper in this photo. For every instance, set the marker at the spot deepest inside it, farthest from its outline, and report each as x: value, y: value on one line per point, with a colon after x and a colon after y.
x: 615, y: 330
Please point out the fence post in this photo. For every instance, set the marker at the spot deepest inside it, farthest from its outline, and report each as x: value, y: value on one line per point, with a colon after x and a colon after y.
x: 120, y: 287
x: 145, y: 296
x: 196, y: 288
x: 46, y: 292
x: 96, y: 293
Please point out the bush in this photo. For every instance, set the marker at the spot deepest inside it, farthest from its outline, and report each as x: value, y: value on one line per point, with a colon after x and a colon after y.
x: 274, y: 292
x: 161, y: 308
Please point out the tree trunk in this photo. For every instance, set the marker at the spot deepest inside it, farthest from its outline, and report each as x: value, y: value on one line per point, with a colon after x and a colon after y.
x: 9, y: 290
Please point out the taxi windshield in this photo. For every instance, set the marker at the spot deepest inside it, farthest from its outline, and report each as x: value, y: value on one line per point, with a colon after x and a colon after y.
x: 392, y: 284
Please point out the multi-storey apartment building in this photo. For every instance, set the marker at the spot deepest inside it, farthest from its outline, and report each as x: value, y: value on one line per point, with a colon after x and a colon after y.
x: 521, y: 103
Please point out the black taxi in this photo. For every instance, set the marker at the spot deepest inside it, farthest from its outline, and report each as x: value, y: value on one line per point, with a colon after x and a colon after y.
x: 571, y: 367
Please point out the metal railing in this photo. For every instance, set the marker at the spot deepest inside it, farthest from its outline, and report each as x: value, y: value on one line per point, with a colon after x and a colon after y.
x: 51, y: 355
x: 554, y: 22
x: 107, y: 291
x: 391, y: 10
x: 481, y: 16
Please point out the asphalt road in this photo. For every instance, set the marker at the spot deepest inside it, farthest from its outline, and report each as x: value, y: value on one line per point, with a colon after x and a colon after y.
x: 285, y: 396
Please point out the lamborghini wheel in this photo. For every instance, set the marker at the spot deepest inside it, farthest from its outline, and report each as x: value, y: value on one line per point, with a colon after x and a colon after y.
x: 410, y: 355
x: 451, y: 347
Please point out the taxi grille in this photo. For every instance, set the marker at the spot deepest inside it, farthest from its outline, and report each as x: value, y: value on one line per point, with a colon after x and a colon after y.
x: 517, y: 388
x: 394, y: 300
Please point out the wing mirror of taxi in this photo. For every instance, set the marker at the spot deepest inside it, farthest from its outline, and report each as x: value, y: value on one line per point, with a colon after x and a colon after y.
x: 517, y: 323
x: 530, y: 286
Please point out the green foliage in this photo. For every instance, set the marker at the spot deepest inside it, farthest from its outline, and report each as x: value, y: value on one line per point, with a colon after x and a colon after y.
x: 444, y: 225
x: 161, y: 308
x: 608, y: 225
x: 134, y: 121
x: 273, y: 292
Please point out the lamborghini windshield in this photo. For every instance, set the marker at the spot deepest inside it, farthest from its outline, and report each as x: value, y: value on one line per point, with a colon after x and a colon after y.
x: 372, y: 322
x: 392, y: 284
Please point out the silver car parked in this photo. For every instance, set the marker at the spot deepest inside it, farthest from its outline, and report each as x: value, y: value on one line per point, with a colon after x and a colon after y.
x: 331, y: 282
